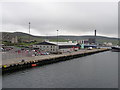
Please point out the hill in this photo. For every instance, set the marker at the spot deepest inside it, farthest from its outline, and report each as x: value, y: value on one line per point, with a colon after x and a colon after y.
x: 25, y: 36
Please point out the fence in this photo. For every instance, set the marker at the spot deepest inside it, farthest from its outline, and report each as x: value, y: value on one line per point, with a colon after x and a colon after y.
x: 16, y: 54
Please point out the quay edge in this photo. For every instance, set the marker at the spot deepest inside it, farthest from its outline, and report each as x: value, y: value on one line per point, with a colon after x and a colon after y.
x: 29, y: 64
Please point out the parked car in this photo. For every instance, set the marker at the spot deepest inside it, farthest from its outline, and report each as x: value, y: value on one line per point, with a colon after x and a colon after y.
x: 90, y: 48
x: 47, y: 53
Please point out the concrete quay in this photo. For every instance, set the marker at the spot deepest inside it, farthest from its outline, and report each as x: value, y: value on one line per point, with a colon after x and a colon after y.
x: 16, y: 64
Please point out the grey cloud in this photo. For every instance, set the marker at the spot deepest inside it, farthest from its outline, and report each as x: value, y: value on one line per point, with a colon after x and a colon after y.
x: 71, y: 17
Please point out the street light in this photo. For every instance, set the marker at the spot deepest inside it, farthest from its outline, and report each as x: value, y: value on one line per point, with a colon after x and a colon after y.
x: 57, y: 40
x: 95, y: 37
x: 29, y: 31
x: 57, y: 37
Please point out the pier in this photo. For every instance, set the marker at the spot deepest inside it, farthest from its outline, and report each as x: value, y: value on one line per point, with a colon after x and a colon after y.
x: 29, y: 62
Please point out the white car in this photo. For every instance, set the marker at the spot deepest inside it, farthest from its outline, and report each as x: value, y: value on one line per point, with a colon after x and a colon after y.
x: 90, y: 48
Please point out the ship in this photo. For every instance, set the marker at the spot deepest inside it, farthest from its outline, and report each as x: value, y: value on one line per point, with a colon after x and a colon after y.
x: 116, y: 48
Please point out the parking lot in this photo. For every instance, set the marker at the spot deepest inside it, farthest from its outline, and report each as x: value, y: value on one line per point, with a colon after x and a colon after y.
x: 19, y: 53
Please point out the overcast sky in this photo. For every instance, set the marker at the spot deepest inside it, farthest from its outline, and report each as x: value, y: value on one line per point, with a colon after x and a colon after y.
x: 70, y: 18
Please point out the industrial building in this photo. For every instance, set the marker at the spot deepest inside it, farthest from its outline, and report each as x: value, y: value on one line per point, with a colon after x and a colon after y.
x: 56, y: 46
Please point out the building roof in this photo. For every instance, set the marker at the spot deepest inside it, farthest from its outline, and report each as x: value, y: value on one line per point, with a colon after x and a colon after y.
x: 56, y: 43
x: 45, y: 43
x: 63, y: 43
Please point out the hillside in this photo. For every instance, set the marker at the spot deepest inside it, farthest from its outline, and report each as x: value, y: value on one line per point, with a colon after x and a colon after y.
x: 25, y: 36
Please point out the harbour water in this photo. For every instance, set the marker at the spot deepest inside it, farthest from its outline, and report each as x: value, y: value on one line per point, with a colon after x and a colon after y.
x: 94, y: 71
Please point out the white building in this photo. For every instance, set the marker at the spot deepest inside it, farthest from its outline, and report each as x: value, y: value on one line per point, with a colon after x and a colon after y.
x: 107, y: 43
x: 55, y: 46
x: 14, y: 39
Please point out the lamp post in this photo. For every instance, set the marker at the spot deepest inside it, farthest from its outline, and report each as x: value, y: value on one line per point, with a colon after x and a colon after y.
x: 57, y: 41
x: 29, y: 31
x: 57, y: 37
x: 95, y: 37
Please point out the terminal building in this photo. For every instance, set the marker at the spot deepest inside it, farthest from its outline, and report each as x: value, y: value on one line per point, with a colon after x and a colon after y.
x: 56, y: 46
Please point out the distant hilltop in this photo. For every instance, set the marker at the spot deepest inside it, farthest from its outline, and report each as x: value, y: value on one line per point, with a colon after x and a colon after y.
x: 24, y: 36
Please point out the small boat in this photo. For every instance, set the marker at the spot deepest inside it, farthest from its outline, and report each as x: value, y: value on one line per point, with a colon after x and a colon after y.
x: 116, y: 48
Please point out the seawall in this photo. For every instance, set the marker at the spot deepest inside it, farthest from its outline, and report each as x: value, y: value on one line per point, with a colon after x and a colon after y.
x: 48, y: 59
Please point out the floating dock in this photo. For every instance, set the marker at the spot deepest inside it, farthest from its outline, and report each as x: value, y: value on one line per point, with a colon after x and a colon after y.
x: 16, y: 65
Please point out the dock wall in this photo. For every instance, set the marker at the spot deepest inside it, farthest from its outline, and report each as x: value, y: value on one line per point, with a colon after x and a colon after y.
x: 33, y: 63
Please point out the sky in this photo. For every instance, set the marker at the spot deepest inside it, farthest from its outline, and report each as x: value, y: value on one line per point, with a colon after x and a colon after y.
x: 70, y: 18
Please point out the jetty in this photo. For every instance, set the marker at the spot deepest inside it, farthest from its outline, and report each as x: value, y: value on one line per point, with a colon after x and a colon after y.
x: 16, y: 64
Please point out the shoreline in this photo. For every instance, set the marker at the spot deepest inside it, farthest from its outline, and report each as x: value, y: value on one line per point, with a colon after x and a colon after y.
x: 46, y: 59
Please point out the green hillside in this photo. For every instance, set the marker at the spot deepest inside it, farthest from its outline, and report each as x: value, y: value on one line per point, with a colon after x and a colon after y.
x: 24, y: 37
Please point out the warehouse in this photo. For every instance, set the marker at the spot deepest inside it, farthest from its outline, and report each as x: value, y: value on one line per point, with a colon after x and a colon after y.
x: 56, y: 46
